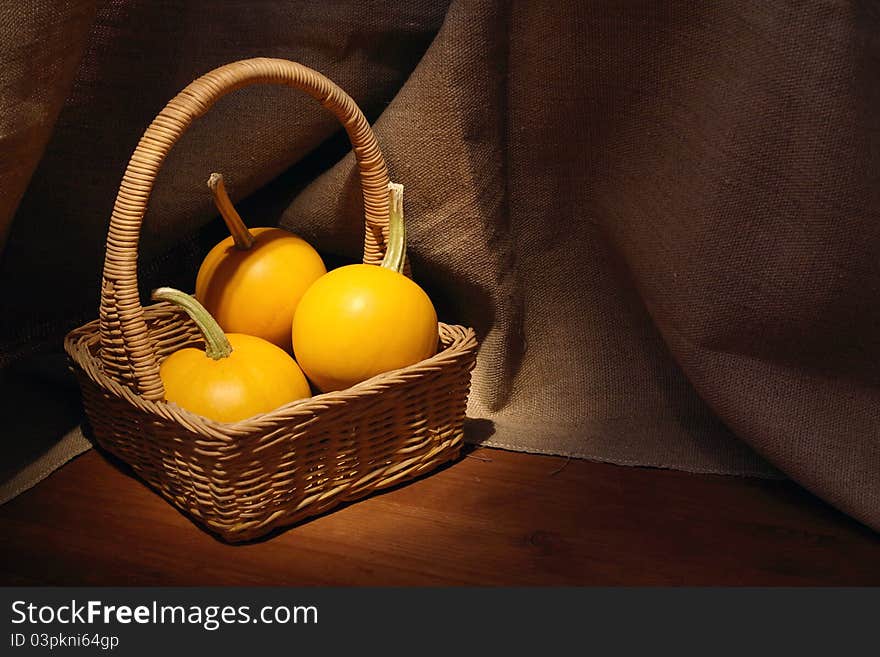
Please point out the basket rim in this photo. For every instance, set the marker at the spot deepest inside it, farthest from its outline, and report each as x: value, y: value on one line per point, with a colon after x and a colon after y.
x: 460, y: 350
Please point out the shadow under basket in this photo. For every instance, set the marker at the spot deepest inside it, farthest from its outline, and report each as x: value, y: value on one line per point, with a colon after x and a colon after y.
x: 242, y: 480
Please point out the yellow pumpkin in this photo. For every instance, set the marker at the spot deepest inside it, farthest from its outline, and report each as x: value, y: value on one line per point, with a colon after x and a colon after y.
x: 362, y: 320
x: 235, y: 377
x: 252, y: 281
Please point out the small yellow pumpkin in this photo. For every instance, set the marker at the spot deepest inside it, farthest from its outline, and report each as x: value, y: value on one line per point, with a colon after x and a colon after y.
x: 361, y: 320
x: 235, y: 377
x: 252, y: 281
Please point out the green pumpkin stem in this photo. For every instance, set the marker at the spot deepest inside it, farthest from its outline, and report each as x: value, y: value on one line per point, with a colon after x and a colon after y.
x: 216, y: 343
x: 240, y: 234
x: 395, y: 253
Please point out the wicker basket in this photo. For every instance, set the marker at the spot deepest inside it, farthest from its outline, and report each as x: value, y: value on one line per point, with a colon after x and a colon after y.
x: 244, y: 479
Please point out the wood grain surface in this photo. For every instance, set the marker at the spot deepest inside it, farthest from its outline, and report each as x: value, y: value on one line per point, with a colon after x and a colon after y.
x: 492, y: 518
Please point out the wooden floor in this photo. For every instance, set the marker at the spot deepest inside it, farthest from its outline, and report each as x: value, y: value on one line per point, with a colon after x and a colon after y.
x: 492, y: 518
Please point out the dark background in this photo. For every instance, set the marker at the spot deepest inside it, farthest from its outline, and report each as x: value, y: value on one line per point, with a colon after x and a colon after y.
x: 661, y: 218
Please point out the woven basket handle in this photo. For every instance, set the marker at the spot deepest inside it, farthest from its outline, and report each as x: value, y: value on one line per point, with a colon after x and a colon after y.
x: 127, y: 349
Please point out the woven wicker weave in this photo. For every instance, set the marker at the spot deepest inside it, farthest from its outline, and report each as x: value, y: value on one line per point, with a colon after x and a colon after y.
x: 242, y: 480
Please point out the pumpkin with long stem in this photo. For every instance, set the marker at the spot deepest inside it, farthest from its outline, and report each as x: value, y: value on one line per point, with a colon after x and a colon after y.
x: 234, y: 377
x: 361, y: 320
x: 252, y: 281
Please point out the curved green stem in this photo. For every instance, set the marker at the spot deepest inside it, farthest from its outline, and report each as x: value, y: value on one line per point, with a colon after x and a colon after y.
x: 240, y: 234
x: 216, y: 343
x: 395, y: 254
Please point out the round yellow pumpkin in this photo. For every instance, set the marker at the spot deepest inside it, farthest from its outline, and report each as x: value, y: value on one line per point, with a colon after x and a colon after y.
x: 362, y: 320
x: 235, y: 377
x: 252, y: 281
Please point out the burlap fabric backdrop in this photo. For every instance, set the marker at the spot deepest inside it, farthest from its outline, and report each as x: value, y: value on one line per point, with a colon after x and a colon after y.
x: 662, y: 218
